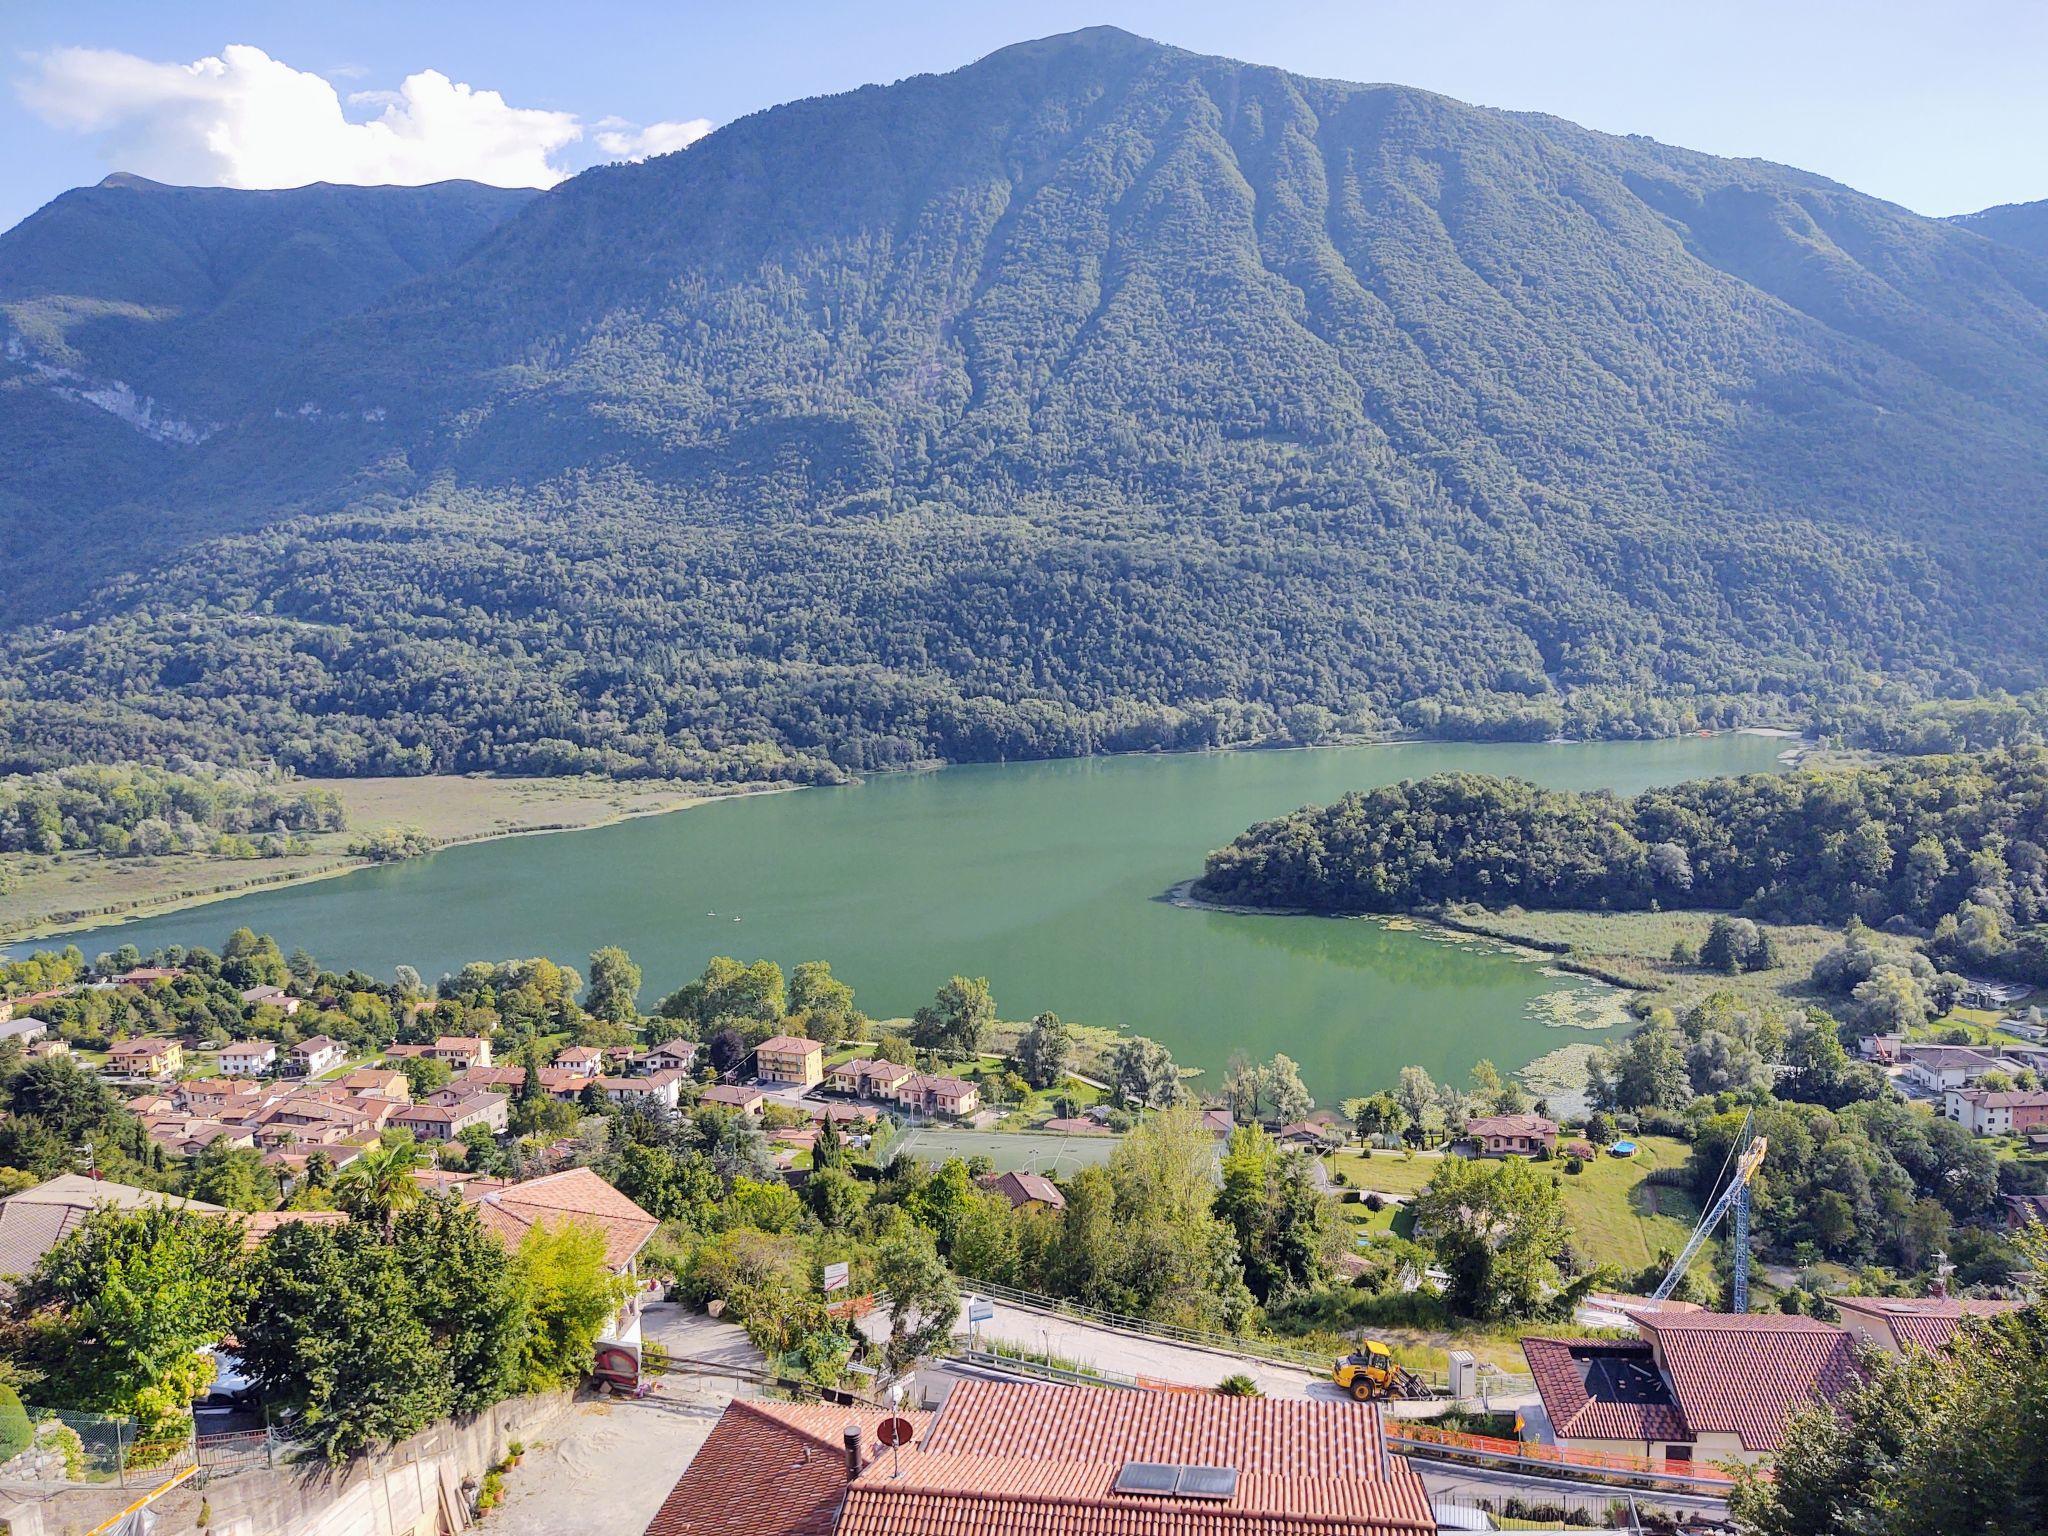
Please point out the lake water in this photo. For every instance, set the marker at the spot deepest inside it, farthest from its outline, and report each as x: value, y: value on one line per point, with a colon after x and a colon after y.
x: 1046, y: 878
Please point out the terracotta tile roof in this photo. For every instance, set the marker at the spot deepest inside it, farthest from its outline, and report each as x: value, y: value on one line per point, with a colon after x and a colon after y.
x: 1074, y: 1125
x: 768, y: 1469
x: 1925, y: 1322
x: 1021, y: 1189
x: 1745, y: 1374
x: 37, y: 1219
x: 1570, y: 1378
x: 789, y: 1045
x: 257, y: 1225
x: 1510, y: 1125
x: 1003, y: 1459
x: 575, y: 1194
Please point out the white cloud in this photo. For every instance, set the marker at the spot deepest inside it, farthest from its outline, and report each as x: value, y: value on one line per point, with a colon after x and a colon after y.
x: 619, y: 138
x: 244, y: 119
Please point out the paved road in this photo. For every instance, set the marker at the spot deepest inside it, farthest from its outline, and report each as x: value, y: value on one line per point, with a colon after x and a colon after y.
x: 1131, y: 1354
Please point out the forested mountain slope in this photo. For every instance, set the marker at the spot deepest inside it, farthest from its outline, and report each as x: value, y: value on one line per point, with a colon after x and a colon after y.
x: 1097, y: 395
x: 2022, y: 225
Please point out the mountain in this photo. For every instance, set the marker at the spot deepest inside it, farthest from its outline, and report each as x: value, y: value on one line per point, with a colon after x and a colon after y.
x: 1098, y: 395
x: 2024, y: 226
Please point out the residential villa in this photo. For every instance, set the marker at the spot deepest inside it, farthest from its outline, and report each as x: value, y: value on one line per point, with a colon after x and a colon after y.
x: 932, y: 1095
x: 271, y: 997
x: 1219, y: 1123
x: 1040, y: 1460
x: 37, y: 1219
x: 445, y: 1115
x: 1702, y: 1386
x: 461, y: 1052
x: 790, y: 1059
x: 657, y: 1090
x: 1938, y: 1068
x: 150, y: 1056
x: 1896, y: 1324
x: 26, y: 1029
x: 1312, y: 1135
x: 579, y: 1195
x: 186, y: 1136
x: 314, y: 1055
x: 248, y: 1058
x: 674, y: 1056
x: 868, y: 1079
x: 584, y: 1060
x: 1507, y: 1135
x: 377, y: 1083
x: 1988, y: 1112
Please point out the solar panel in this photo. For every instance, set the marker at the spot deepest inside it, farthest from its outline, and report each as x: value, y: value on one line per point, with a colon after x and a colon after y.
x: 1207, y: 1482
x: 1147, y: 1477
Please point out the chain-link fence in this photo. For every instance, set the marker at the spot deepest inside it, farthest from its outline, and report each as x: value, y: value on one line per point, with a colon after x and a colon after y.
x: 54, y: 1446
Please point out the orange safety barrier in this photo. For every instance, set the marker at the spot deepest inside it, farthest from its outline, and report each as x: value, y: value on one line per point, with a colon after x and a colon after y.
x: 1528, y: 1450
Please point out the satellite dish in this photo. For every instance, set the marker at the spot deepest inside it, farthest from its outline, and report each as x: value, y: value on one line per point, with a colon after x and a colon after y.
x: 894, y: 1432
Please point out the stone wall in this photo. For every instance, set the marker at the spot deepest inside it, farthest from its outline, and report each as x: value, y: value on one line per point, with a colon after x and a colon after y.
x: 393, y: 1493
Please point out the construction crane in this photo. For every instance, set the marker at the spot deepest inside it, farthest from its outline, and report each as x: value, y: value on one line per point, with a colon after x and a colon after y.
x: 1735, y: 1195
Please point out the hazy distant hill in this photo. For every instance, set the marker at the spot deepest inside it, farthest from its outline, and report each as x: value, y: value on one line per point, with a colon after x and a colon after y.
x: 2023, y: 225
x: 1096, y: 395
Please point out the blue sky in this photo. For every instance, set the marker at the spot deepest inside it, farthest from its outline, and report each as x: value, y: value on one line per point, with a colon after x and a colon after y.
x: 1941, y: 108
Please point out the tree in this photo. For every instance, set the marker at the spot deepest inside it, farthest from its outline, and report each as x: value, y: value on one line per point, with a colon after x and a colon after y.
x: 332, y: 1339
x: 727, y: 1049
x: 572, y: 1296
x: 1045, y: 1053
x: 1647, y: 1071
x: 379, y: 1183
x: 614, y: 991
x: 468, y: 1293
x: 424, y: 1075
x: 233, y: 1177
x: 1142, y: 1072
x: 118, y: 1313
x: 1379, y: 1115
x: 1418, y: 1094
x: 924, y: 1302
x: 1282, y: 1223
x: 1285, y: 1090
x: 822, y: 1003
x: 1499, y: 1230
x: 729, y: 993
x: 956, y: 1020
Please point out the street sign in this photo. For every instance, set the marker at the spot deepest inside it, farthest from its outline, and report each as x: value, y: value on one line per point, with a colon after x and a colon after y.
x: 980, y: 1310
x: 835, y: 1277
x: 894, y: 1432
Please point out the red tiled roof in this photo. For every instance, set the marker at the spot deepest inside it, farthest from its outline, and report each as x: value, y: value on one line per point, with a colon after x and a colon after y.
x: 1576, y: 1413
x: 1004, y: 1459
x: 1510, y: 1125
x: 1926, y: 1322
x: 768, y: 1469
x: 1023, y: 1188
x: 1745, y: 1374
x: 575, y: 1194
x: 789, y: 1045
x: 1075, y: 1125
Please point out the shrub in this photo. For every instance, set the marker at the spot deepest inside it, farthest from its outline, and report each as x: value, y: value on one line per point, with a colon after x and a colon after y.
x: 16, y: 1433
x: 1238, y: 1385
x: 1574, y: 1165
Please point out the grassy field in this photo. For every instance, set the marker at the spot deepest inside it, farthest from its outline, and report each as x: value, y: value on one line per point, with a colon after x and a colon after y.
x: 1634, y: 949
x: 1617, y: 1218
x: 52, y: 893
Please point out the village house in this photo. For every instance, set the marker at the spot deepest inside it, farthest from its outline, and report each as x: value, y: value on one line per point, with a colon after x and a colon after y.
x: 461, y: 1052
x: 556, y: 1082
x: 1075, y: 1125
x: 583, y: 1060
x: 27, y: 1029
x: 674, y: 1056
x: 1896, y: 1324
x: 746, y: 1101
x: 1040, y: 1460
x: 48, y: 1047
x: 657, y: 1090
x: 1219, y: 1123
x: 1022, y: 1189
x: 579, y: 1195
x: 150, y: 1056
x: 271, y: 997
x: 1309, y: 1135
x: 376, y: 1083
x: 1882, y: 1049
x: 1938, y: 1068
x: 1508, y: 1135
x: 315, y: 1119
x: 1697, y: 1386
x: 840, y: 1114
x: 866, y: 1079
x: 184, y: 1136
x: 1988, y: 1112
x: 248, y: 1058
x: 147, y: 975
x: 445, y: 1115
x: 229, y: 1099
x: 933, y: 1095
x: 314, y: 1055
x: 790, y: 1059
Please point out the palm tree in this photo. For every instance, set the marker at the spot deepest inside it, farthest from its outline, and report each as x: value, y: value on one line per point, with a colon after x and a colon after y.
x: 379, y: 1183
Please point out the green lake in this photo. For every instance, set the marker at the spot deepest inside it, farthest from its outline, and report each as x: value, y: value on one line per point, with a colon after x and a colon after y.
x: 1047, y: 878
